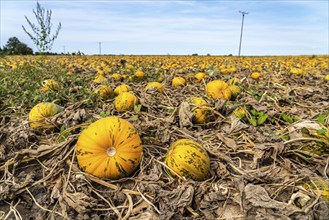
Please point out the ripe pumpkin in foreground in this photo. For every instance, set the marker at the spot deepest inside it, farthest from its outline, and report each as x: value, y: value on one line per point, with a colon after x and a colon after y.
x: 217, y: 89
x: 109, y: 148
x: 41, y: 113
x: 188, y: 158
x: 125, y: 102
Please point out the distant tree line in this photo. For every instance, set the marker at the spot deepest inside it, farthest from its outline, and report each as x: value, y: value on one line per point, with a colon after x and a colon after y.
x: 15, y: 47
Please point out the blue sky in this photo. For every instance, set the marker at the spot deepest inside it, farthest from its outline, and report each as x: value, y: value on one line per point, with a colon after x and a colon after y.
x: 275, y: 27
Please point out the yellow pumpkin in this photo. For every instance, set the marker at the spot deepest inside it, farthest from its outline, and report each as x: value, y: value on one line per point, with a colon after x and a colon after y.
x: 233, y: 81
x: 40, y: 115
x: 160, y: 77
x: 178, y: 81
x: 154, y: 86
x: 201, y: 111
x: 49, y: 84
x: 239, y: 112
x: 326, y: 78
x: 125, y: 101
x: 139, y: 74
x: 104, y: 91
x: 296, y: 71
x: 122, y: 88
x: 100, y: 78
x: 217, y: 89
x: 227, y: 70
x: 256, y: 75
x: 109, y: 148
x: 235, y: 91
x: 189, y: 159
x: 199, y: 76
x: 116, y: 76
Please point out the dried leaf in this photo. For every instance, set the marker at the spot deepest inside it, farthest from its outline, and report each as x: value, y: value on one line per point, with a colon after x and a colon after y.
x: 79, y: 201
x: 228, y: 141
x: 185, y: 115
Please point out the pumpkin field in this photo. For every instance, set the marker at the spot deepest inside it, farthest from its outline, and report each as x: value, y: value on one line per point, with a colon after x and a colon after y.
x: 164, y: 137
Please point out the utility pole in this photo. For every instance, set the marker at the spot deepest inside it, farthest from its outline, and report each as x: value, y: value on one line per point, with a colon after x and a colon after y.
x: 64, y: 49
x: 100, y: 48
x: 243, y: 13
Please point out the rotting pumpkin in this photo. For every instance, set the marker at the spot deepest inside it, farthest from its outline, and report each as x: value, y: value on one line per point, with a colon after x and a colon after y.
x: 109, y: 148
x: 189, y: 159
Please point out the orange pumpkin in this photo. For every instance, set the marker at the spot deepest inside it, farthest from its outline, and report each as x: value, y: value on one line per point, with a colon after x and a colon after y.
x: 109, y: 148
x: 217, y: 89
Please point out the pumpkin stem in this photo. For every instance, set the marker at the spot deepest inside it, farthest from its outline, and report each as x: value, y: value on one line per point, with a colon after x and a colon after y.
x: 111, y: 151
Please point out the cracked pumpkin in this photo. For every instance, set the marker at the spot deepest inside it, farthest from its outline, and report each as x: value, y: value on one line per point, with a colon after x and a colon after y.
x: 109, y: 148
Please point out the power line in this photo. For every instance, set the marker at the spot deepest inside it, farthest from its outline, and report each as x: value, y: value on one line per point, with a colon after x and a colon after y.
x: 100, y: 48
x: 243, y: 13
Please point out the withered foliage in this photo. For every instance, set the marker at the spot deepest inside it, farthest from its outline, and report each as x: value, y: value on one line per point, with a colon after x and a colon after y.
x: 277, y: 169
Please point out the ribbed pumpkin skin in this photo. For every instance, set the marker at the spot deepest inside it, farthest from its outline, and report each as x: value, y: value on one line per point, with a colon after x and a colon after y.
x: 121, y: 88
x: 188, y: 158
x: 125, y: 102
x: 218, y: 89
x: 96, y: 144
x: 39, y: 114
x: 178, y: 81
x: 201, y: 112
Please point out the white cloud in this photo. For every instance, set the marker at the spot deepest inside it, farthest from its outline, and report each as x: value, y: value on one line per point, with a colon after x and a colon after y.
x: 181, y: 27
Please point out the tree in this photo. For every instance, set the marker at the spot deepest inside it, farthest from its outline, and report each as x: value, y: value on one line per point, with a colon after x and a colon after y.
x: 41, y: 32
x: 15, y: 47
